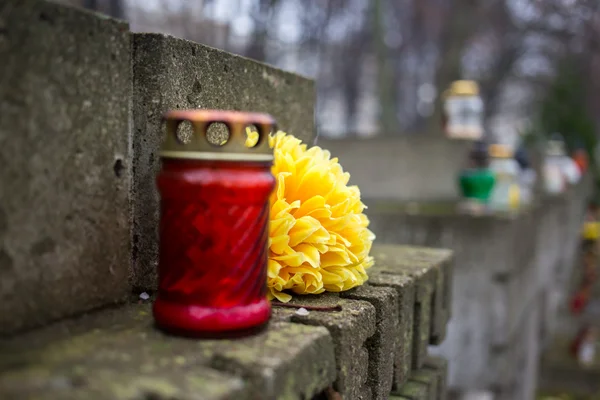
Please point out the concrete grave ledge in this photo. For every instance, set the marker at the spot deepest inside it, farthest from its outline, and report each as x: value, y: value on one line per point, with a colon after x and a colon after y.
x: 511, y: 269
x: 64, y: 156
x: 363, y: 351
x: 378, y: 339
x: 118, y: 354
x: 428, y: 382
x: 172, y: 73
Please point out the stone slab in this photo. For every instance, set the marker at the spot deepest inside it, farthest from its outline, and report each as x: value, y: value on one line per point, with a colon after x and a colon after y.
x: 382, y: 345
x: 413, y: 390
x: 64, y: 131
x: 171, y: 73
x: 350, y: 329
x: 429, y: 378
x: 97, y: 354
x: 404, y: 286
x: 438, y: 365
x: 442, y: 261
x: 111, y: 382
x: 365, y: 394
x: 393, y: 260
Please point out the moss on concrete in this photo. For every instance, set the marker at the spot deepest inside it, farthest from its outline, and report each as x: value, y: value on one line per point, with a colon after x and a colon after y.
x: 350, y: 328
x: 118, y: 354
x: 403, y: 260
x: 441, y: 261
x: 382, y: 345
x: 413, y: 391
x: 429, y: 378
x: 405, y: 287
x: 439, y: 366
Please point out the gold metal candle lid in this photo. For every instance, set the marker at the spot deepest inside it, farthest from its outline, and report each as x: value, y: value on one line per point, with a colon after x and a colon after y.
x: 462, y: 88
x: 234, y: 149
x: 500, y: 151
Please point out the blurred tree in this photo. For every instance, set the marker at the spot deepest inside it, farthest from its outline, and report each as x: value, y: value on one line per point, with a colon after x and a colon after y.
x: 262, y: 13
x: 376, y: 62
x: 388, y: 121
x: 114, y: 8
x: 564, y: 109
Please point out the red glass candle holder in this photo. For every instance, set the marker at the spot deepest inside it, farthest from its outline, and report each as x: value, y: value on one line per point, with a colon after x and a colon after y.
x: 214, y: 217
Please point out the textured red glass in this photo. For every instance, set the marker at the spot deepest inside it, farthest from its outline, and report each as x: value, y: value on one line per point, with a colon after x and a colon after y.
x: 213, y: 246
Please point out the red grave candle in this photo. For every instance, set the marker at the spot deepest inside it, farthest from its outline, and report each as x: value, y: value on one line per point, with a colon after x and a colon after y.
x: 214, y: 227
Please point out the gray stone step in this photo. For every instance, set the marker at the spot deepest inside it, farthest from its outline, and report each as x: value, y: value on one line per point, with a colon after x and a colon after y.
x: 362, y: 349
x: 119, y: 354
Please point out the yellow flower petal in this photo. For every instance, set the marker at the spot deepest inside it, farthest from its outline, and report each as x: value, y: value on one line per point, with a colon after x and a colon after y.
x: 318, y: 237
x: 251, y: 137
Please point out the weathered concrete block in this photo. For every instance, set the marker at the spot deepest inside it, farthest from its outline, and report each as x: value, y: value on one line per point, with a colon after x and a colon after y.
x: 350, y: 328
x: 113, y: 382
x: 288, y: 361
x: 394, y: 260
x: 440, y: 367
x: 429, y: 378
x: 441, y: 261
x: 382, y: 345
x: 119, y: 354
x: 405, y: 288
x: 64, y: 212
x: 365, y: 393
x: 413, y: 390
x: 171, y: 73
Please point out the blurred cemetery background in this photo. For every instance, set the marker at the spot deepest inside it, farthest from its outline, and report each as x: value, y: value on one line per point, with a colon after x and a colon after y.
x: 380, y: 64
x: 519, y: 81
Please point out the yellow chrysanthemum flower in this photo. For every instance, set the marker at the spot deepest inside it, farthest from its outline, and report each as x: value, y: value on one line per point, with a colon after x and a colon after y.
x: 319, y: 238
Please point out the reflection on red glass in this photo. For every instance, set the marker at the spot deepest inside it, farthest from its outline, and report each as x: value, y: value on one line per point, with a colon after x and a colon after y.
x: 213, y: 245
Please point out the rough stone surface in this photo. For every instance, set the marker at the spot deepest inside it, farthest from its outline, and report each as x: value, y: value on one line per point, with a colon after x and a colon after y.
x: 110, y: 382
x: 171, y: 73
x: 413, y: 390
x: 394, y: 260
x: 441, y: 260
x: 429, y: 378
x: 119, y: 354
x: 440, y: 366
x: 350, y: 328
x: 64, y: 102
x: 404, y: 286
x: 382, y: 345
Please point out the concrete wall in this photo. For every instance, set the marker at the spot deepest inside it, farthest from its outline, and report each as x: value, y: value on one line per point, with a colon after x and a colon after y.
x: 64, y: 155
x: 81, y: 100
x: 171, y: 73
x: 511, y: 273
x: 416, y: 167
